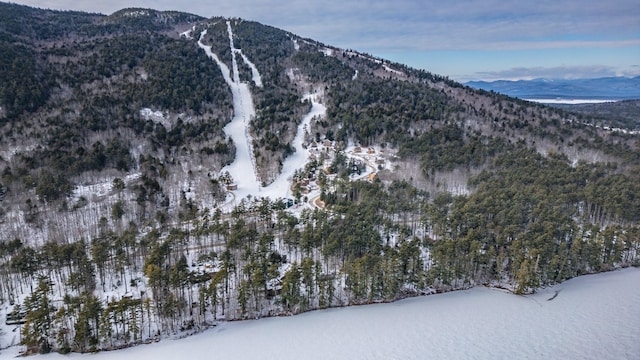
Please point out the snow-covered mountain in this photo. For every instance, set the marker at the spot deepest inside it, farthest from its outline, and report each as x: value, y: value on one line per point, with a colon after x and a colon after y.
x: 609, y: 88
x: 161, y: 173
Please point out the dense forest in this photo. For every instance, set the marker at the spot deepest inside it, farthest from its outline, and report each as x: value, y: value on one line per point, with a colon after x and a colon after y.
x: 620, y: 114
x: 119, y: 227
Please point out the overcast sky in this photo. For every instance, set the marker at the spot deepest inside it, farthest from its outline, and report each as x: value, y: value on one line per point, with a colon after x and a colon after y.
x: 465, y: 40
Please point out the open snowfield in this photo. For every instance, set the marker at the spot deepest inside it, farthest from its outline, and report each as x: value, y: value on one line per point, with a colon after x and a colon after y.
x: 592, y: 317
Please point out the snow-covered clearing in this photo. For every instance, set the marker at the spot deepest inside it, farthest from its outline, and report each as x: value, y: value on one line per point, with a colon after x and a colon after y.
x: 8, y: 153
x: 362, y: 56
x: 155, y: 116
x: 149, y: 114
x: 136, y: 13
x: 624, y: 131
x: 387, y: 68
x: 188, y: 33
x: 590, y: 317
x: 100, y: 189
x: 327, y: 51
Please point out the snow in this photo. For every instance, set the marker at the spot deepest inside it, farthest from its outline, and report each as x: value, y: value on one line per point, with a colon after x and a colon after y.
x: 137, y: 13
x: 207, y: 49
x: 362, y: 56
x: 187, y: 34
x: 101, y: 189
x: 234, y: 63
x: 8, y: 153
x: 257, y: 79
x: 149, y: 114
x: 590, y: 317
x: 355, y: 75
x: 166, y: 119
x: 155, y: 116
x: 281, y: 186
x: 624, y: 131
x: 387, y: 68
x: 327, y: 51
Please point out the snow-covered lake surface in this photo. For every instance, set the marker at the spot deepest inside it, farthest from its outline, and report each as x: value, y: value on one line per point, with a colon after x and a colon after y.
x: 592, y: 317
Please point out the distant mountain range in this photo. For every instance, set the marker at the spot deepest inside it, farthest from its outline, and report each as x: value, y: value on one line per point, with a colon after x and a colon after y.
x: 608, y: 88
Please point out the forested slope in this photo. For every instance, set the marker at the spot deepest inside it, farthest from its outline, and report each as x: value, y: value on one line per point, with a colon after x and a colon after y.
x: 117, y: 225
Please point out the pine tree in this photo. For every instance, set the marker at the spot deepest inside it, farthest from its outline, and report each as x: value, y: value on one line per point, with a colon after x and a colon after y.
x: 38, y: 321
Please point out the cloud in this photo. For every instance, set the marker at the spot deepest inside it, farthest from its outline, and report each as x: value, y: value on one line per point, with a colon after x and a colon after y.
x: 419, y: 25
x: 463, y: 28
x: 463, y: 25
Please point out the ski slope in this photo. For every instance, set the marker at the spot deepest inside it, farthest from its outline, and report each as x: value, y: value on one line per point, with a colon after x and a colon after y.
x: 281, y: 187
x: 589, y: 317
x: 243, y: 168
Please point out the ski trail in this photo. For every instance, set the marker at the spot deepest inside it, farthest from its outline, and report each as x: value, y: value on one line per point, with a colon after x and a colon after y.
x: 255, y: 75
x: 281, y: 187
x: 234, y: 63
x: 238, y: 129
x: 257, y: 79
x: 226, y: 74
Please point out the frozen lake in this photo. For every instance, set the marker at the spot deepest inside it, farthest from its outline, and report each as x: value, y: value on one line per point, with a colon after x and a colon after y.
x: 592, y: 317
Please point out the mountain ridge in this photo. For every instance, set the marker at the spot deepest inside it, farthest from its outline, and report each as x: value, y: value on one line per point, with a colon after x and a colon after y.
x: 607, y: 88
